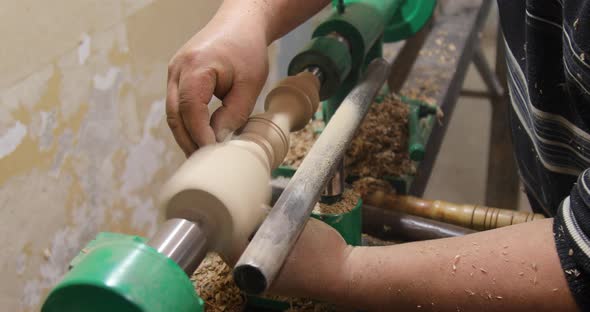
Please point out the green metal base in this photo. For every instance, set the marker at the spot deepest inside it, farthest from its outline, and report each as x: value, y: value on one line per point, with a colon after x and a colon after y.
x: 121, y: 273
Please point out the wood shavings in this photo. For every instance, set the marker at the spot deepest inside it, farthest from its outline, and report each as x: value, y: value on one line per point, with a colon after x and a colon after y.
x: 521, y: 273
x: 555, y: 289
x: 499, y: 297
x: 349, y: 201
x: 304, y: 305
x: 455, y: 262
x: 380, y: 146
x: 301, y: 142
x: 368, y: 185
x: 215, y: 285
x: 46, y: 253
x: 570, y: 252
x: 483, y: 271
x: 573, y: 272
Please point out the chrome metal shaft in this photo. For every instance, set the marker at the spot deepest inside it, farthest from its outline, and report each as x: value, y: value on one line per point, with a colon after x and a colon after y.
x: 183, y: 241
x: 335, y: 187
x: 266, y: 253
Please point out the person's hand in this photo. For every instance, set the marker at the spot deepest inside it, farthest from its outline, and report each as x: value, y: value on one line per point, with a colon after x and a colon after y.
x: 316, y: 267
x: 228, y: 59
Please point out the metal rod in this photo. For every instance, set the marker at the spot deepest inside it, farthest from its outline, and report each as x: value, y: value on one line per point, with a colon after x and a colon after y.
x: 182, y: 241
x: 394, y: 225
x: 486, y: 73
x: 335, y: 187
x: 316, y: 71
x: 461, y: 23
x: 503, y: 182
x: 266, y: 253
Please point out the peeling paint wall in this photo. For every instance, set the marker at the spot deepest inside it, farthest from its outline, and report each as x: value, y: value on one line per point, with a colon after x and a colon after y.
x: 84, y: 146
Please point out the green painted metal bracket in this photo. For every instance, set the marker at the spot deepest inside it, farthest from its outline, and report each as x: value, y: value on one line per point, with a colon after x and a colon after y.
x: 404, y: 18
x: 409, y: 19
x: 417, y: 137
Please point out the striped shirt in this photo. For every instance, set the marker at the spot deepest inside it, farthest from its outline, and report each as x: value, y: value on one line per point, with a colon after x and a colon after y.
x: 548, y: 56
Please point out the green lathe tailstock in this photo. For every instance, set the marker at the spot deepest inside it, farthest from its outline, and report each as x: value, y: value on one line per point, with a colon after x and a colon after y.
x: 117, y: 272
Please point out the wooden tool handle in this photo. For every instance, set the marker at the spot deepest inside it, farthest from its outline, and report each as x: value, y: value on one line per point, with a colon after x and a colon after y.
x: 470, y: 216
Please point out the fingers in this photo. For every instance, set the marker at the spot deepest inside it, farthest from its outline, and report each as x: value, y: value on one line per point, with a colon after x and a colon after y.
x: 174, y: 119
x: 195, y: 90
x: 237, y: 107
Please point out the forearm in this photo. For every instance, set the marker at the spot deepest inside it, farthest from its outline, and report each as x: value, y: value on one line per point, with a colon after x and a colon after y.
x: 511, y: 268
x: 274, y: 17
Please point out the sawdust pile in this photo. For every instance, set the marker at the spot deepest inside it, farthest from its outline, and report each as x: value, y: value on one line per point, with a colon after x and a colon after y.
x: 349, y: 200
x: 302, y: 305
x: 368, y: 185
x: 380, y: 147
x: 301, y: 142
x: 214, y: 283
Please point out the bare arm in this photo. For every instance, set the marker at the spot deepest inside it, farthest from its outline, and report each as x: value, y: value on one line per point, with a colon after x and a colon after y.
x: 513, y: 268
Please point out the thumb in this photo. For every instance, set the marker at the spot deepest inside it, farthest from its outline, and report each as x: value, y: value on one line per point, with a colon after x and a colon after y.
x: 236, y: 107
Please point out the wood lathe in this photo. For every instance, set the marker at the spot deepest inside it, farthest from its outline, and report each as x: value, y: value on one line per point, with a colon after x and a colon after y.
x: 219, y: 197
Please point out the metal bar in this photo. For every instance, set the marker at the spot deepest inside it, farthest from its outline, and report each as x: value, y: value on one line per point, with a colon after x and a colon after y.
x: 486, y: 73
x: 394, y: 225
x: 182, y: 241
x: 476, y: 94
x: 402, y: 65
x: 502, y: 185
x: 335, y: 187
x: 266, y: 253
x: 448, y: 53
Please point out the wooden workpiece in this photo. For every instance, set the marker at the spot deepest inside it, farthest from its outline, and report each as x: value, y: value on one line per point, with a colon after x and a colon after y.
x: 229, y: 181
